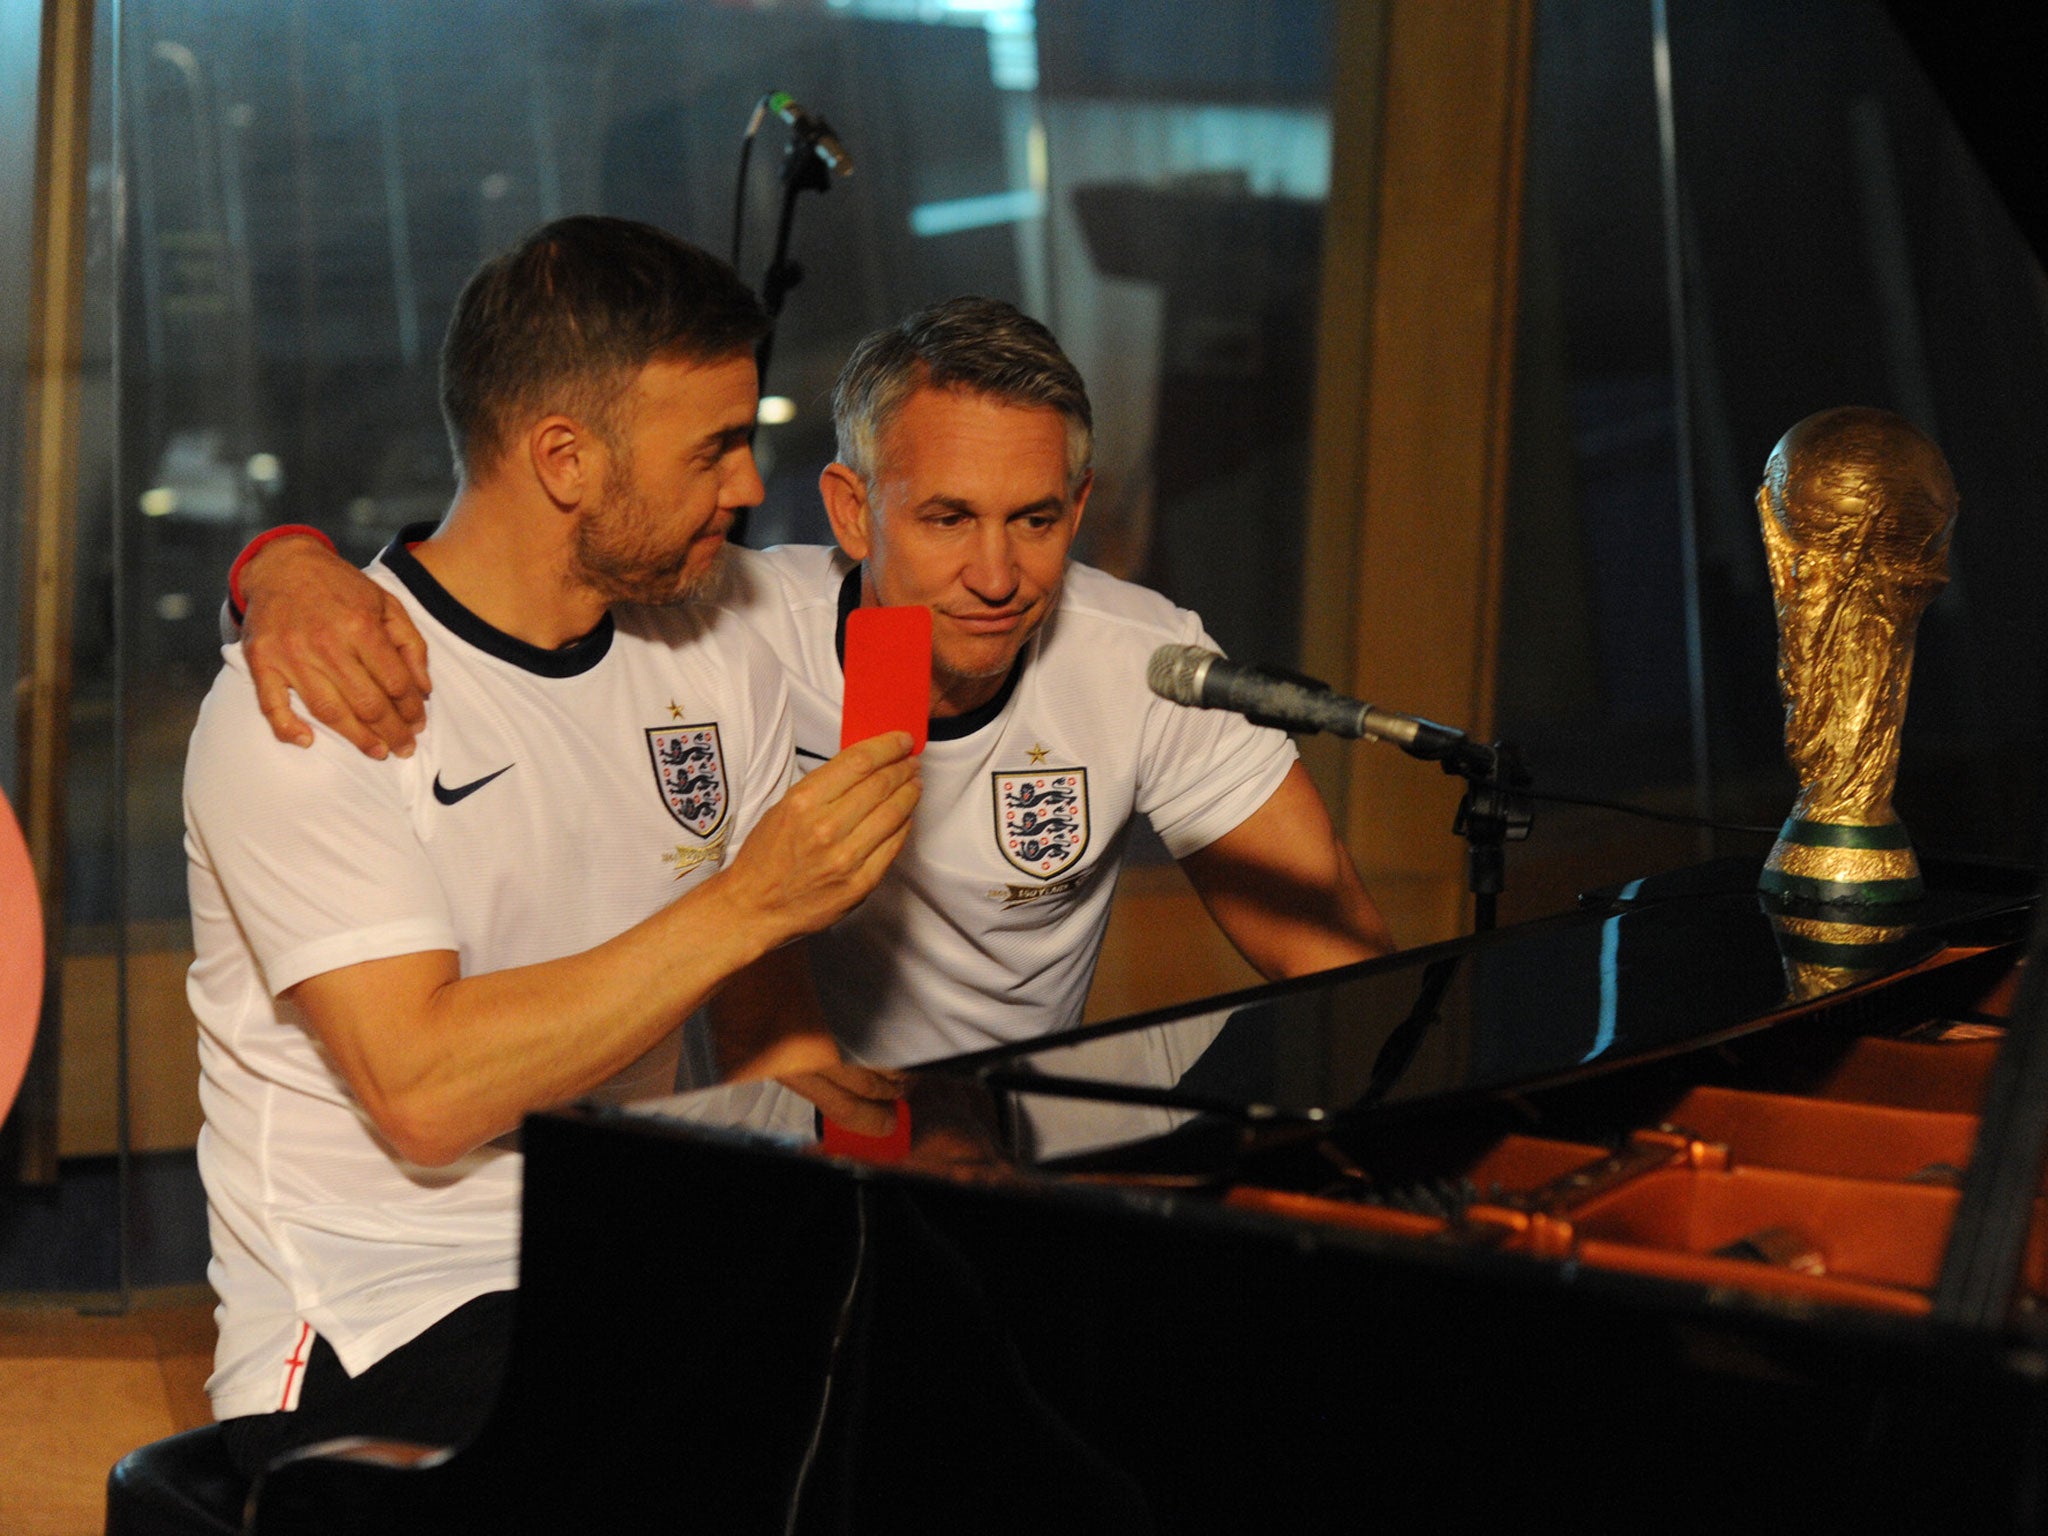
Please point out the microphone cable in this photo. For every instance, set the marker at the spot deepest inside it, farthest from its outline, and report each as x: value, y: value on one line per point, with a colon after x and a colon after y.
x: 1672, y: 818
x: 1197, y: 678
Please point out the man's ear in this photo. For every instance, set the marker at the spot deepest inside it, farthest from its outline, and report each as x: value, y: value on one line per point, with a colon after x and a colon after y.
x: 846, y: 507
x: 567, y: 460
x: 1081, y: 498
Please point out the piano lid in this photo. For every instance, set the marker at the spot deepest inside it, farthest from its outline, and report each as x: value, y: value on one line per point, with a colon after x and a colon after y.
x: 1656, y: 967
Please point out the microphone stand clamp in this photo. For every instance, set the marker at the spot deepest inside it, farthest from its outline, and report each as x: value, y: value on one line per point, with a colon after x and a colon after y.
x: 1495, y: 811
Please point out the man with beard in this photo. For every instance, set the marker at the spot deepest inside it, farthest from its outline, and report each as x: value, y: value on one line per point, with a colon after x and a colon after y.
x: 399, y: 958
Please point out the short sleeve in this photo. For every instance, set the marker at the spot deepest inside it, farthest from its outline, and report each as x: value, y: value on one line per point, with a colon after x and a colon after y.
x: 313, y: 849
x: 1204, y: 772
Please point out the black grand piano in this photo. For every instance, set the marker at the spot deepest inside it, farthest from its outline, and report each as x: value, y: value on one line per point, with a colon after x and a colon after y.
x: 1625, y: 1218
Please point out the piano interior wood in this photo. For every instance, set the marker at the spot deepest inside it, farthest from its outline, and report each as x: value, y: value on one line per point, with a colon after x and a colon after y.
x: 1843, y: 1191
x: 1913, y: 1074
x: 1844, y: 1138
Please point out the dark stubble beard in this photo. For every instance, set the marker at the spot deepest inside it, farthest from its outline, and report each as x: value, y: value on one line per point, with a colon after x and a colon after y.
x: 615, y: 557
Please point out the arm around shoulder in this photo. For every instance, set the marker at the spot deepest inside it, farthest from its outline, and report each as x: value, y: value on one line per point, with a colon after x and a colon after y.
x: 316, y: 625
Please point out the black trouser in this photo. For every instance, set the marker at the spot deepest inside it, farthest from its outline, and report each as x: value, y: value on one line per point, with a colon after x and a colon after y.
x: 436, y: 1389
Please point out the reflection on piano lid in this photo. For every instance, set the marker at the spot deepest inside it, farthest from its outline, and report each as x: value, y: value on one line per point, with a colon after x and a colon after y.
x: 1658, y: 966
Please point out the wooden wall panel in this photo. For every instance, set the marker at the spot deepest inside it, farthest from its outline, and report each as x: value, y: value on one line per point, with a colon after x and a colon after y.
x: 1412, y: 443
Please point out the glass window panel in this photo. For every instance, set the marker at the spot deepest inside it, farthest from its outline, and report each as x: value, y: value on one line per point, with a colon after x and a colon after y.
x: 19, y: 48
x: 62, y: 1229
x: 304, y: 187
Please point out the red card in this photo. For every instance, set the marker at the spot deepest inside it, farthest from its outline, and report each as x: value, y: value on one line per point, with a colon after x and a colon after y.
x: 891, y: 1147
x: 888, y: 674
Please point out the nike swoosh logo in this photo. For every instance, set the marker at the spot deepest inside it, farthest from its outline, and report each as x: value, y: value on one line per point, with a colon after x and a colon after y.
x: 449, y: 796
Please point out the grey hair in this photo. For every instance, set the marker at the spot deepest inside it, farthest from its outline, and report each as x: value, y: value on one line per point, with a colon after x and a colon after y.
x: 982, y: 346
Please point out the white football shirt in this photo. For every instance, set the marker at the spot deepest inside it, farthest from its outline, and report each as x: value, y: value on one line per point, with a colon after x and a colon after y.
x: 555, y: 799
x: 986, y: 928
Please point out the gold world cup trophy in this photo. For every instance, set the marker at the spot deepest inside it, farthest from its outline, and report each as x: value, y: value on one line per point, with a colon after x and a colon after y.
x: 1857, y: 508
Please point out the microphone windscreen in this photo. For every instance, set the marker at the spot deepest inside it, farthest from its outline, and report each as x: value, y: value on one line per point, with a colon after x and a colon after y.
x: 1175, y: 672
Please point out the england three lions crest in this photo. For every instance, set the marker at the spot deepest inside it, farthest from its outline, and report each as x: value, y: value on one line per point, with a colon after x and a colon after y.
x: 690, y: 767
x: 1042, y: 819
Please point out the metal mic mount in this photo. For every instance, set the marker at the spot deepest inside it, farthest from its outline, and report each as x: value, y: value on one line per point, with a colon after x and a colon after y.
x: 1497, y: 808
x: 812, y: 134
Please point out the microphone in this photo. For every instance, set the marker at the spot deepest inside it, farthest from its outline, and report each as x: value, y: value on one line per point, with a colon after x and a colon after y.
x: 1187, y: 674
x: 811, y: 128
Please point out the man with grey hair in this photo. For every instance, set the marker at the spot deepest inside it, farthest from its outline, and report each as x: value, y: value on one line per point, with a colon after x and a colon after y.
x: 962, y: 478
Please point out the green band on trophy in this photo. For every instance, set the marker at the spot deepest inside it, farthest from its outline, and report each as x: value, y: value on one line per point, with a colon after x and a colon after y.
x: 1835, y: 834
x: 1776, y: 882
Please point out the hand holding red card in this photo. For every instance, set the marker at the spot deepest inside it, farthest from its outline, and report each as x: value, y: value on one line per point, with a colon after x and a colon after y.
x: 888, y: 667
x: 892, y: 1146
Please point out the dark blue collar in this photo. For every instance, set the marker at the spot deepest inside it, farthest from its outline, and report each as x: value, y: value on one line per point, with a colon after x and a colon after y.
x: 571, y: 660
